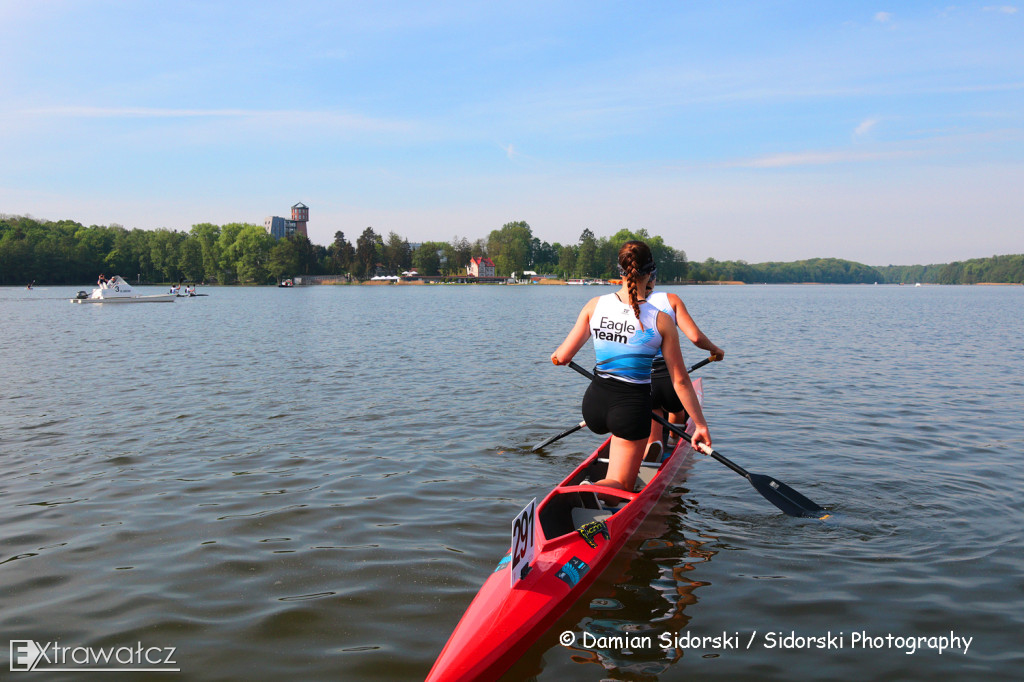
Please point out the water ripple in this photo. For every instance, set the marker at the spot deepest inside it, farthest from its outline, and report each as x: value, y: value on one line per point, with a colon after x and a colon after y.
x: 276, y: 496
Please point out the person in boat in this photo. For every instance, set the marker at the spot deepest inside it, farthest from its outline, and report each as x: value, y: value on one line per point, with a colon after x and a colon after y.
x: 628, y: 332
x: 663, y: 394
x: 101, y: 282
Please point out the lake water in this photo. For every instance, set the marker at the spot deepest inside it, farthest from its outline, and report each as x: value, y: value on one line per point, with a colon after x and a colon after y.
x: 313, y: 483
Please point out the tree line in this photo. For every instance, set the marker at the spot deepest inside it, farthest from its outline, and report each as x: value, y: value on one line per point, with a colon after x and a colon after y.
x: 1007, y: 269
x: 997, y: 270
x: 67, y: 252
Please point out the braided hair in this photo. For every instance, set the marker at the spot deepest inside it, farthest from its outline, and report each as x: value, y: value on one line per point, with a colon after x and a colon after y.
x: 635, y: 260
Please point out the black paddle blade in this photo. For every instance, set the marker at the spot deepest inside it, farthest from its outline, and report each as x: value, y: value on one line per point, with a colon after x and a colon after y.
x: 785, y: 498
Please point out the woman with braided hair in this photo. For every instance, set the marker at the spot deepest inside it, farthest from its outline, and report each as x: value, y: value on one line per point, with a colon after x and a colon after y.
x: 628, y: 332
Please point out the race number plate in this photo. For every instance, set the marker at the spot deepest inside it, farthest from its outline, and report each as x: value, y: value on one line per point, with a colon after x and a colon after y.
x: 522, y: 540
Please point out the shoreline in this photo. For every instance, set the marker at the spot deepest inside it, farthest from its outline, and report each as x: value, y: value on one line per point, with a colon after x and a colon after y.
x: 339, y: 281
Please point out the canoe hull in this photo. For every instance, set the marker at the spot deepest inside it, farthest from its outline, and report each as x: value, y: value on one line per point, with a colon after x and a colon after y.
x: 502, y: 621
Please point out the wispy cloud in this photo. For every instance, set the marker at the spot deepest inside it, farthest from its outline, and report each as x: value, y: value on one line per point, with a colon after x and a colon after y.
x: 865, y: 127
x: 817, y: 158
x: 1002, y: 9
x: 883, y: 17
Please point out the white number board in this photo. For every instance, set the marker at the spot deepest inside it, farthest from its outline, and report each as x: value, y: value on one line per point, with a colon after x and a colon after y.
x: 522, y: 540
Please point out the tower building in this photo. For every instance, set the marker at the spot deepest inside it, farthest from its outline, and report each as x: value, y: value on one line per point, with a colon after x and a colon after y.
x: 279, y: 227
x: 300, y: 216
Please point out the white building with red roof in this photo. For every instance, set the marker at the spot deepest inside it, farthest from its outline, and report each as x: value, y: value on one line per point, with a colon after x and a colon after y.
x: 481, y: 267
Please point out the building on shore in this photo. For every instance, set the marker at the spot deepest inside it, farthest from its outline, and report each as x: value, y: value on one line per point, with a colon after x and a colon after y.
x: 279, y: 227
x: 480, y: 267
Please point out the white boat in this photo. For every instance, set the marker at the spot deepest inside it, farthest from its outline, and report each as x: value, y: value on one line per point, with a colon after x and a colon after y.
x: 116, y: 290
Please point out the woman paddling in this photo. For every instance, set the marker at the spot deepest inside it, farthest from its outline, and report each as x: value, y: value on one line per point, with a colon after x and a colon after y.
x: 628, y: 332
x: 663, y: 394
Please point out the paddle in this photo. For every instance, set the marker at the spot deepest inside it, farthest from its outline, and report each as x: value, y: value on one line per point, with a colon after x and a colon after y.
x: 563, y: 434
x: 775, y: 491
x: 579, y: 426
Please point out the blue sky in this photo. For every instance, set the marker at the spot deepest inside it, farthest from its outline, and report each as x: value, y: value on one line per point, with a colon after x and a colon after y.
x: 889, y: 133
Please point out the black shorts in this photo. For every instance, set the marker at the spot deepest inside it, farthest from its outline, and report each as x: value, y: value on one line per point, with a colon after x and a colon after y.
x: 663, y: 394
x: 619, y: 407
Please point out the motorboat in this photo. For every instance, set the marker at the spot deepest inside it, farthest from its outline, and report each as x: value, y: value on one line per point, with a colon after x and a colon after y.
x: 116, y: 290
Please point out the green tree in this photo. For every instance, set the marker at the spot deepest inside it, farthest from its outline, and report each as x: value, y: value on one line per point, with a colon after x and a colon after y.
x: 427, y: 258
x: 478, y: 249
x: 509, y: 247
x: 567, y: 260
x: 191, y: 262
x: 283, y: 260
x: 368, y: 248
x: 165, y: 246
x: 397, y: 255
x: 207, y: 236
x: 455, y: 261
x: 342, y: 254
x: 543, y: 256
x: 308, y: 255
x: 586, y: 256
x: 228, y: 254
x: 16, y: 253
x: 247, y: 256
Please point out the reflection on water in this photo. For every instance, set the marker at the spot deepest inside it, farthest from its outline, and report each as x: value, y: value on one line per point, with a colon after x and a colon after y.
x: 650, y: 608
x: 628, y: 621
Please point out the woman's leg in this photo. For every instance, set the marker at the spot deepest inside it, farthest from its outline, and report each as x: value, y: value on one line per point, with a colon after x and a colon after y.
x: 624, y: 457
x: 679, y: 418
x: 656, y: 427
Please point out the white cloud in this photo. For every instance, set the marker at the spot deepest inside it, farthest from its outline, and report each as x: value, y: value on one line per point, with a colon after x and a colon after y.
x: 1003, y: 9
x: 865, y: 126
x: 814, y: 159
x: 883, y: 17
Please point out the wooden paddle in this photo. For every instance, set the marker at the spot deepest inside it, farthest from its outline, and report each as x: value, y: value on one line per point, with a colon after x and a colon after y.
x: 579, y: 426
x: 774, y: 490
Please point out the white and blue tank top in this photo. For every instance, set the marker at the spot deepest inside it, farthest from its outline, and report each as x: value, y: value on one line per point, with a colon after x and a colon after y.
x: 624, y: 351
x: 659, y: 299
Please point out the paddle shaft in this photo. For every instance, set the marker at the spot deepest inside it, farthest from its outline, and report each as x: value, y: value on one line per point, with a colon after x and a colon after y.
x: 775, y: 491
x: 563, y: 434
x: 676, y: 429
x: 700, y: 364
x: 579, y: 426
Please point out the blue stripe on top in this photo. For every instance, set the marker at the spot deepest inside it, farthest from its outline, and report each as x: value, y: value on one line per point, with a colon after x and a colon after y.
x: 624, y: 351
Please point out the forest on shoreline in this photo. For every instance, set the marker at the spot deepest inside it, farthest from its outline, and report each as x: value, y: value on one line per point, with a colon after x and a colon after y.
x: 67, y: 252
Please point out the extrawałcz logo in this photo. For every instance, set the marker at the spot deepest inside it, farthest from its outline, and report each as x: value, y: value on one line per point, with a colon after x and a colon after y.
x: 30, y: 656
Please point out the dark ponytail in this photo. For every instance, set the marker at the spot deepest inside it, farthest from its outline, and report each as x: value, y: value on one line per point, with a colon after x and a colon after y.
x: 635, y: 260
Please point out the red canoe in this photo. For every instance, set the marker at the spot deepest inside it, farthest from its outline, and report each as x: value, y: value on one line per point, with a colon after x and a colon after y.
x: 575, y: 539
